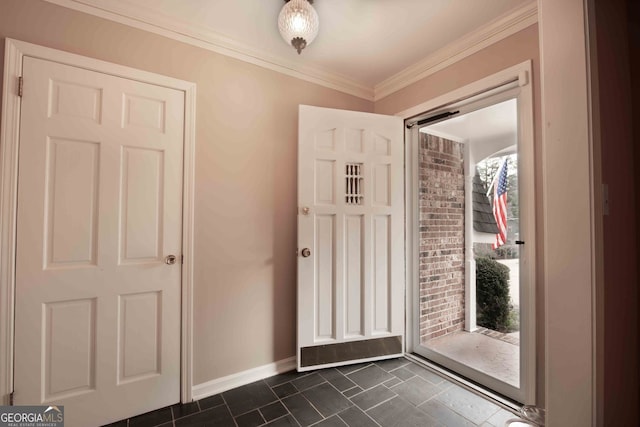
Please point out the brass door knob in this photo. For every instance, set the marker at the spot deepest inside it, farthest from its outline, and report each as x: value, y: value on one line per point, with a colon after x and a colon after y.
x: 306, y: 252
x: 170, y: 259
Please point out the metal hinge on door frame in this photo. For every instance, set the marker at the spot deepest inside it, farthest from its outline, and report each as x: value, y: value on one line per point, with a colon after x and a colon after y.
x: 11, y: 398
x: 20, y: 86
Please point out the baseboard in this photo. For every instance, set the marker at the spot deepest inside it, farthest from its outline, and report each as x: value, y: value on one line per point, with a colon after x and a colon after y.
x: 219, y: 385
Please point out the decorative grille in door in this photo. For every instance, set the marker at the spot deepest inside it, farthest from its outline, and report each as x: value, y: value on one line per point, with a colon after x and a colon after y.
x: 354, y: 179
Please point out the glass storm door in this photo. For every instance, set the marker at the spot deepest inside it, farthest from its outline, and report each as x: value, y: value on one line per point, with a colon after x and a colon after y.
x: 472, y: 196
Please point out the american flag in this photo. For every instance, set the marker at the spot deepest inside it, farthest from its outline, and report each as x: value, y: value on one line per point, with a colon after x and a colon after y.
x: 500, y: 205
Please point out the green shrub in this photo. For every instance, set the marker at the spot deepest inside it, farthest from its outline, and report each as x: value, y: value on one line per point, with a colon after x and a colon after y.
x: 492, y: 294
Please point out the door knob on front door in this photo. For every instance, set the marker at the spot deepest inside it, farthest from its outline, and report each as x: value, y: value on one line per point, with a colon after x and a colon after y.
x: 170, y: 259
x: 306, y: 252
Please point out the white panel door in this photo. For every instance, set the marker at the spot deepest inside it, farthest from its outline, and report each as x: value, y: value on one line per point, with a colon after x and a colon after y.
x: 350, y: 237
x: 99, y: 209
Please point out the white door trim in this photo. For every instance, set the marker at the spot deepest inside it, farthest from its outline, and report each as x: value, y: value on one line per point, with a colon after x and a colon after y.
x: 15, y: 50
x: 522, y: 74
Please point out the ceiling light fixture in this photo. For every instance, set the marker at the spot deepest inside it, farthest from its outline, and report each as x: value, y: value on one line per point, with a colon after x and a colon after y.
x: 298, y: 23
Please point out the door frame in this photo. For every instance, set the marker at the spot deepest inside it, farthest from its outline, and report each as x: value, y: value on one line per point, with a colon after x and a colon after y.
x: 522, y: 74
x: 15, y: 51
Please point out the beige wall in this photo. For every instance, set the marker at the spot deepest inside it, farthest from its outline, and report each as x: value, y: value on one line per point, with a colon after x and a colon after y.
x: 572, y: 208
x: 245, y: 207
x: 513, y: 50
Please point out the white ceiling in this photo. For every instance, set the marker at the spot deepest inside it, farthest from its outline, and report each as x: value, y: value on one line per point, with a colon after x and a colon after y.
x: 496, y: 120
x: 496, y: 125
x: 362, y: 41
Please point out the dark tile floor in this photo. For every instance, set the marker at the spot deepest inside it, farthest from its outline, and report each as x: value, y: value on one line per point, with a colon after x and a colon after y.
x: 393, y: 392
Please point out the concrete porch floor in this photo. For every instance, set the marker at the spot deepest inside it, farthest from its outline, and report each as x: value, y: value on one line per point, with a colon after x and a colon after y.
x: 492, y: 356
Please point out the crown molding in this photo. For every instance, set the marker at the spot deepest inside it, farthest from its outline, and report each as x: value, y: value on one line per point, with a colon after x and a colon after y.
x: 151, y: 20
x: 498, y: 29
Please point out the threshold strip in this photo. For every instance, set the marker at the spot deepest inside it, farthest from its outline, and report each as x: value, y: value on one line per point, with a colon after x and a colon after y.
x: 498, y: 399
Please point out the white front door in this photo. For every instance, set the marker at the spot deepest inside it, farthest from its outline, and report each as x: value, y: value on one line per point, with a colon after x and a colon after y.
x: 350, y: 237
x: 99, y: 210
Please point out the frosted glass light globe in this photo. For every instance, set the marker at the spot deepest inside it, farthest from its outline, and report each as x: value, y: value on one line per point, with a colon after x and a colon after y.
x: 298, y: 23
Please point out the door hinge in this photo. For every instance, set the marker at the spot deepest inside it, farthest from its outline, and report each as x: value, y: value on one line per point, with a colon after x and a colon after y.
x: 11, y: 398
x: 20, y: 86
x: 181, y: 259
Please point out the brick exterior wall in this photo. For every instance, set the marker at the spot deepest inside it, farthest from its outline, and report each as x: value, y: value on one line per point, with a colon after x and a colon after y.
x: 441, y: 204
